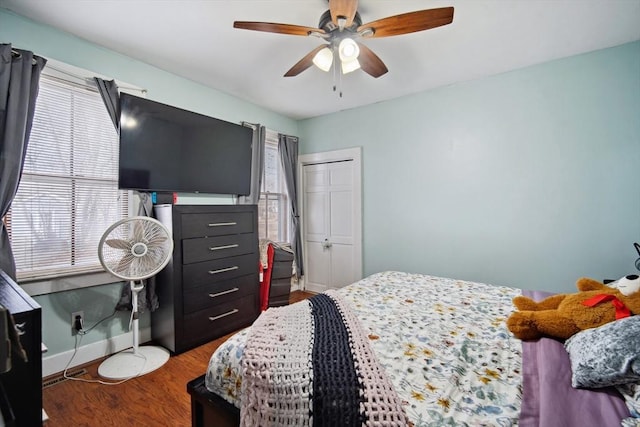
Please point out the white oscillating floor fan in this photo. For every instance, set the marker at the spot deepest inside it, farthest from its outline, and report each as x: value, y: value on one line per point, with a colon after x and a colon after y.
x: 135, y: 249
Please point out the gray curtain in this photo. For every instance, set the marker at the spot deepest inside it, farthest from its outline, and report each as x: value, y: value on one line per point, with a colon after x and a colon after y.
x: 288, y: 148
x: 148, y: 299
x: 19, y: 83
x: 257, y: 164
x: 111, y: 98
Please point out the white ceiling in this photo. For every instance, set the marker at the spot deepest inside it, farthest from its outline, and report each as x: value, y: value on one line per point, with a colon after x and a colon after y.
x: 196, y: 39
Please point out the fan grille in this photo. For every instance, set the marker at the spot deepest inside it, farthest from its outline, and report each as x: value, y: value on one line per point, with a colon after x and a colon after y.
x: 135, y: 248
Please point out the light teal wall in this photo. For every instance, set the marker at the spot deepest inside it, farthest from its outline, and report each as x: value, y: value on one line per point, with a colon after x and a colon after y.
x: 529, y: 178
x: 98, y: 301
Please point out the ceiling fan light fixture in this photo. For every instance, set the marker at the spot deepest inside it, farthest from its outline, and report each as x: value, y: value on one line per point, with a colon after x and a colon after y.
x: 349, y: 66
x: 348, y: 50
x: 323, y: 59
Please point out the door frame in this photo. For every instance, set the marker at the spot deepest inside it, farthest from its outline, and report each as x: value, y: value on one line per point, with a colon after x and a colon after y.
x: 348, y: 154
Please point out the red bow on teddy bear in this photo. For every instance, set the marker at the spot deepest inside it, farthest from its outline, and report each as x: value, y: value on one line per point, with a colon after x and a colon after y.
x: 621, y: 310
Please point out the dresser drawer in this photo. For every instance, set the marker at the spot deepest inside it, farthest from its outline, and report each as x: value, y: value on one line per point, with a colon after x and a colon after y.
x: 220, y: 319
x: 282, y: 255
x: 216, y: 224
x: 209, y: 248
x: 280, y: 287
x: 202, y: 297
x: 202, y: 273
x: 279, y: 301
x: 281, y: 270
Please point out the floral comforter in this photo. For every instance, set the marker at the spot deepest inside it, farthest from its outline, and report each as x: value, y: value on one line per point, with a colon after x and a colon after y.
x: 443, y: 343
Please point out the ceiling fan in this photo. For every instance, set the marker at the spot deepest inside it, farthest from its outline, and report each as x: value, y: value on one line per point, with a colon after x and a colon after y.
x: 341, y: 25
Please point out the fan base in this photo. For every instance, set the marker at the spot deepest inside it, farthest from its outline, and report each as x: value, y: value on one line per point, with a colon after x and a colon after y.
x: 126, y: 364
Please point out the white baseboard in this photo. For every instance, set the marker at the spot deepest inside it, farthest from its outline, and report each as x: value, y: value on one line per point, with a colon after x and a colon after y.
x: 317, y: 289
x: 88, y: 353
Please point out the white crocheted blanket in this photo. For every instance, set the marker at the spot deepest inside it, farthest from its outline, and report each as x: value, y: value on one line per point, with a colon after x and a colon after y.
x: 310, y: 363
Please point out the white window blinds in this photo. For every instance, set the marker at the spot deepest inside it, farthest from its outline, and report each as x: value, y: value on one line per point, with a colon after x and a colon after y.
x: 273, y: 206
x: 68, y: 194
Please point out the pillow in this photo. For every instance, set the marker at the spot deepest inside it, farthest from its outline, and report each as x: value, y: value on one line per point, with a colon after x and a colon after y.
x: 631, y: 394
x: 606, y: 356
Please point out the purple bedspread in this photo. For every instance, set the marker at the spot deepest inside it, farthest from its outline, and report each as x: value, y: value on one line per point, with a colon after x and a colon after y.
x: 549, y: 400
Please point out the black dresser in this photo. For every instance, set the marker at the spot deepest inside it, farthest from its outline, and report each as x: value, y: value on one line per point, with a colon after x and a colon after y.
x: 22, y: 385
x: 210, y: 287
x: 281, y: 272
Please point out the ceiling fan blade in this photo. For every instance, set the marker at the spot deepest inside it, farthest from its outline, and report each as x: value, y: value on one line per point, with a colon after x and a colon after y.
x: 343, y: 8
x: 294, y: 30
x: 305, y: 62
x: 370, y: 62
x: 409, y: 22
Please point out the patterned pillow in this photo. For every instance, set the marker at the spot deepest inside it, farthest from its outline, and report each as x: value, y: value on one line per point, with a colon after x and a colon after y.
x: 631, y: 394
x: 606, y: 356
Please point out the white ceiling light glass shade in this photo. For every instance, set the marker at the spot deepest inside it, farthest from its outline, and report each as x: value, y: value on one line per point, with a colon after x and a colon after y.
x: 349, y: 66
x: 348, y: 50
x: 323, y: 59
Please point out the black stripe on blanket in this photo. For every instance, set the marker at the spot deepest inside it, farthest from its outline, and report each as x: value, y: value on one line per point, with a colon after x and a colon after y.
x: 337, y: 395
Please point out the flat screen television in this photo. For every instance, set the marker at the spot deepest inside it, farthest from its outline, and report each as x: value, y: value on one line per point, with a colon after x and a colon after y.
x: 168, y: 149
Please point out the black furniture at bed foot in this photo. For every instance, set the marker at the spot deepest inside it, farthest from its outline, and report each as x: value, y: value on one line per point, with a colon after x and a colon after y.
x: 22, y: 384
x: 281, y: 273
x: 209, y: 409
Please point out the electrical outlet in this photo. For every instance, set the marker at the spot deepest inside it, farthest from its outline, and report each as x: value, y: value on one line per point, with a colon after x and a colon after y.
x: 74, y: 316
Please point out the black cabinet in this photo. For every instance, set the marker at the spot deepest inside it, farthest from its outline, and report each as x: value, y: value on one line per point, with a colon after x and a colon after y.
x: 210, y: 286
x: 281, y: 272
x: 23, y: 383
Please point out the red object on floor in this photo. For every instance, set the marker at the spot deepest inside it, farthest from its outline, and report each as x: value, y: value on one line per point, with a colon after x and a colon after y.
x: 266, y: 279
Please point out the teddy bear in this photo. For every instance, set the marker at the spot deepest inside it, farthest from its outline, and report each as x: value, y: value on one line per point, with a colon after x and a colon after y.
x: 563, y: 315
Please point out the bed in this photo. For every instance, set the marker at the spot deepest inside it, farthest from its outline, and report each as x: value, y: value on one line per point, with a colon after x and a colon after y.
x: 443, y: 346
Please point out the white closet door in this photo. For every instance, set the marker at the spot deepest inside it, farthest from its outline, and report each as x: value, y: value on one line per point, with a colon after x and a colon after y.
x: 316, y: 208
x: 330, y: 225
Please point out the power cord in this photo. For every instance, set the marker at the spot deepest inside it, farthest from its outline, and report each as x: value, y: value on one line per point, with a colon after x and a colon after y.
x: 81, y: 332
x: 79, y: 323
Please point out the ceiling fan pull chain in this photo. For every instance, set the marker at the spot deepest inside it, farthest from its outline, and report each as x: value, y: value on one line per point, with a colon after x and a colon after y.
x: 339, y: 81
x: 335, y: 68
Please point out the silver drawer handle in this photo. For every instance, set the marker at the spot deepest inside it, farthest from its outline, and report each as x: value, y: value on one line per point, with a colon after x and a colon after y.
x: 220, y: 316
x: 222, y: 224
x: 217, y: 248
x: 222, y: 270
x: 228, y: 291
x: 20, y: 328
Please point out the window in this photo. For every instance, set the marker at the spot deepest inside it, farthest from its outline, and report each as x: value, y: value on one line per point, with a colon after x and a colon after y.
x: 68, y: 195
x: 273, y: 206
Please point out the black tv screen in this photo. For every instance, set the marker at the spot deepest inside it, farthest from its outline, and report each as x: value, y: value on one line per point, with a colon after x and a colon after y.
x: 167, y: 149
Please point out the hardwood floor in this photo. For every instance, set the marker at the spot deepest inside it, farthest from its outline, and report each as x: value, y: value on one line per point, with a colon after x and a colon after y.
x: 159, y: 398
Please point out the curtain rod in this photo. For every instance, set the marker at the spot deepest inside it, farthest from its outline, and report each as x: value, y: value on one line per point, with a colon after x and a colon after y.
x: 90, y: 79
x: 18, y: 54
